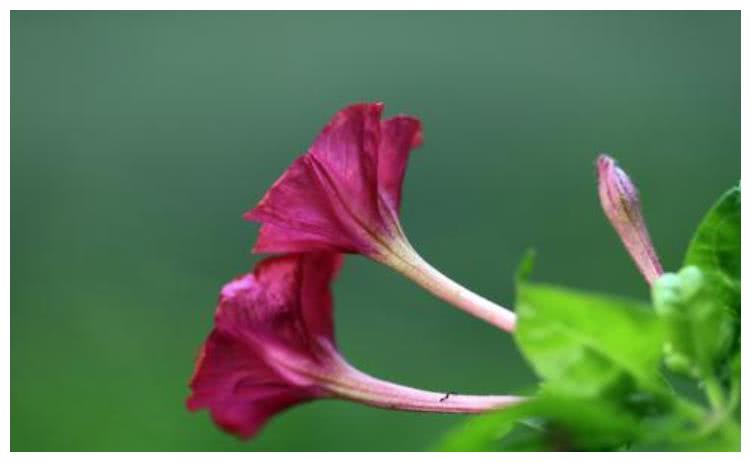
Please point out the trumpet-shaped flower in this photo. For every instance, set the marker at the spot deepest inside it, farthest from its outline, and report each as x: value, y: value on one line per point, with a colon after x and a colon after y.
x: 272, y: 347
x: 344, y: 195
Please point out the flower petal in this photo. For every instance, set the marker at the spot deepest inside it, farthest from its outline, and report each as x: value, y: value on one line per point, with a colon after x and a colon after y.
x: 245, y: 419
x: 285, y: 300
x: 319, y: 270
x: 296, y: 215
x: 348, y: 150
x: 343, y: 195
x: 399, y: 135
x: 242, y: 392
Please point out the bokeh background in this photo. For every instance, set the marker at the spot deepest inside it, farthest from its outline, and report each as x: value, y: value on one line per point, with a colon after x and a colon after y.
x: 139, y: 139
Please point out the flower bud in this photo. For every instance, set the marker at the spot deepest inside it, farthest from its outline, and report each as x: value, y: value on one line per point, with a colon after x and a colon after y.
x: 620, y: 202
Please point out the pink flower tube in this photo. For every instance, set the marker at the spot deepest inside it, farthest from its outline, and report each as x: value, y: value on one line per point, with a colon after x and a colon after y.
x: 272, y: 347
x: 344, y: 195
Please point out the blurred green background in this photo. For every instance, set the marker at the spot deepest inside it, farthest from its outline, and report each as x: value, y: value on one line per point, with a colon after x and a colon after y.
x: 139, y: 139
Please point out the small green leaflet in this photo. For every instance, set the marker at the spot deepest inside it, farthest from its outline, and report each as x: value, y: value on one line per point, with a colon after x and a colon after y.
x: 546, y: 423
x: 586, y: 344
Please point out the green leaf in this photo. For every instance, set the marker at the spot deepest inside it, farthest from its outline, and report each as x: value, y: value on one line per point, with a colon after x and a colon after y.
x: 588, y: 345
x: 547, y: 423
x: 674, y: 433
x: 725, y: 436
x: 481, y: 433
x: 716, y: 249
x: 698, y: 328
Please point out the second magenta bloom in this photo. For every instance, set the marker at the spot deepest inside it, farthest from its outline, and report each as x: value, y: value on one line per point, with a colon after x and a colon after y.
x: 272, y: 347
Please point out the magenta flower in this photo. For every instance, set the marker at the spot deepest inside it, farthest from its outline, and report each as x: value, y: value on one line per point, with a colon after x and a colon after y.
x: 272, y: 346
x: 344, y: 195
x: 267, y: 342
x: 620, y: 202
